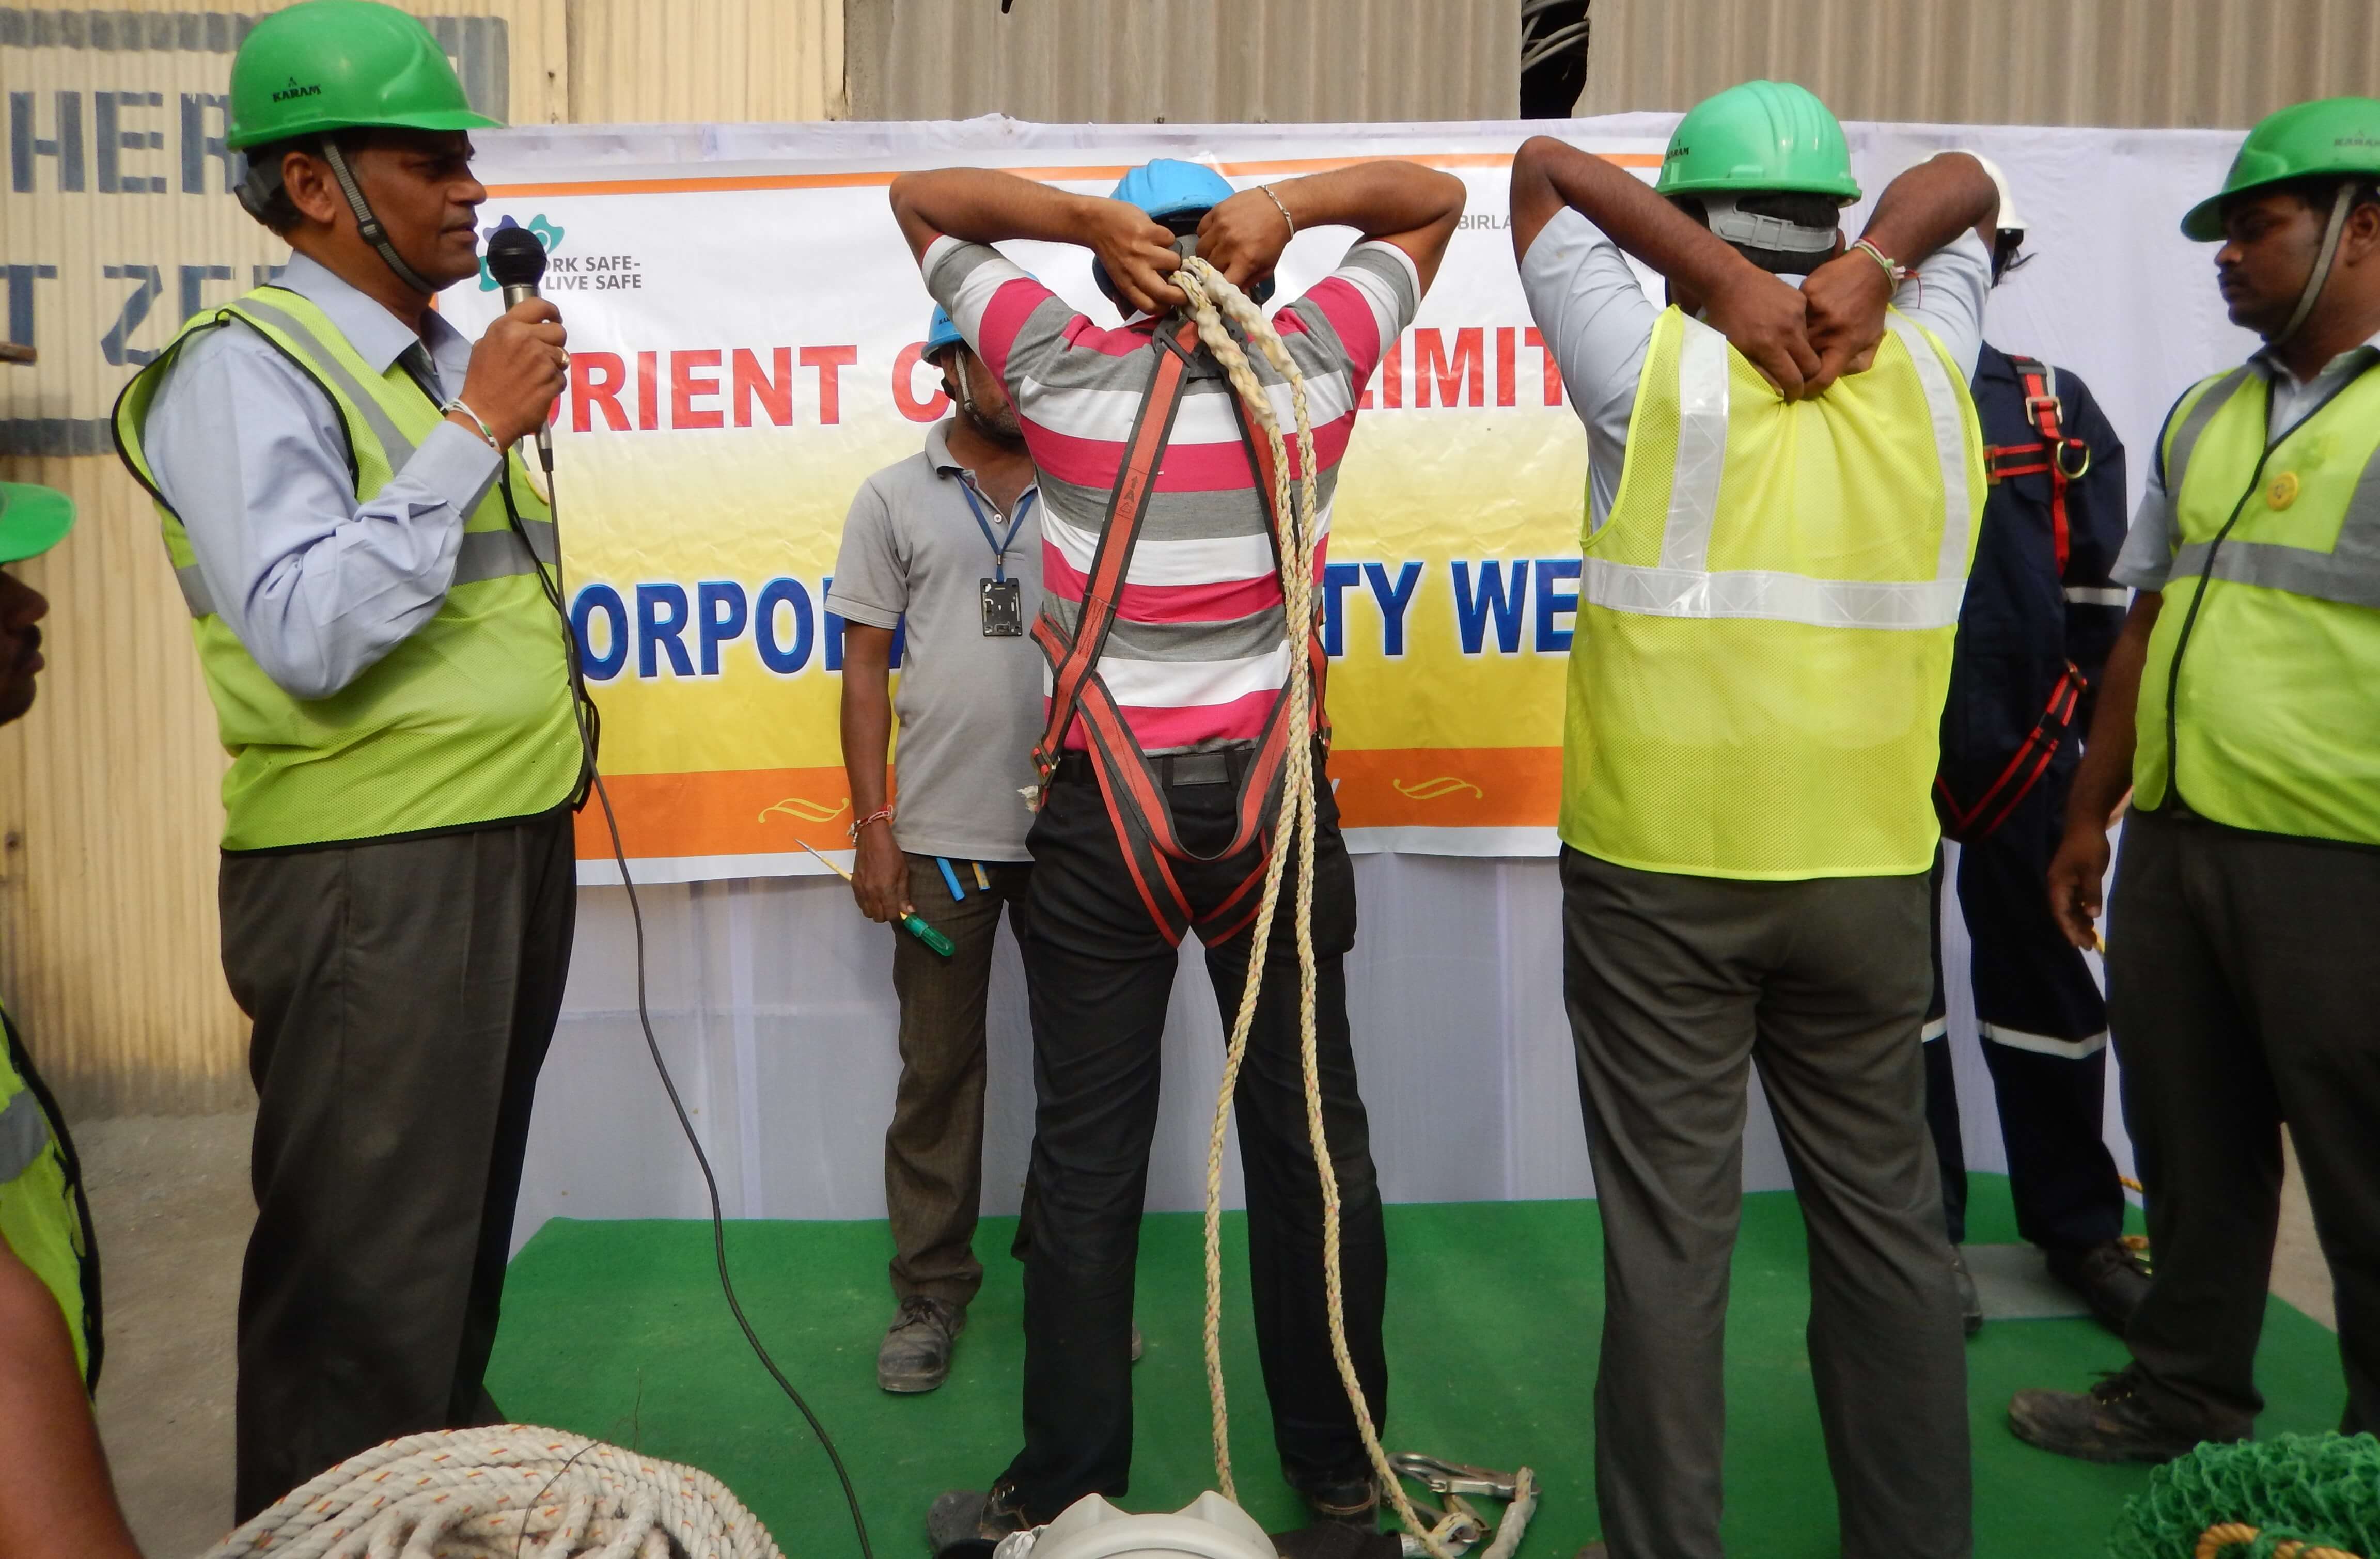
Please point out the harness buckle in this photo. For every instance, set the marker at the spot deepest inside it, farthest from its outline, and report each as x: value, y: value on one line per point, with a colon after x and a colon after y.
x: 2057, y: 455
x: 2035, y: 404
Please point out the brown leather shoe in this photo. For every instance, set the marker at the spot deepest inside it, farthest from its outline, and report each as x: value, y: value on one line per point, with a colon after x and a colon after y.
x: 2111, y: 1422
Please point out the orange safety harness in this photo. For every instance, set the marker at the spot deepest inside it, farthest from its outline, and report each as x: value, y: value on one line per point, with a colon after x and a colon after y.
x: 2052, y: 454
x: 1135, y: 800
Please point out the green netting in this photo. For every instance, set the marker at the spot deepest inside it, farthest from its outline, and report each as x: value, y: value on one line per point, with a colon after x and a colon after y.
x: 2320, y: 1490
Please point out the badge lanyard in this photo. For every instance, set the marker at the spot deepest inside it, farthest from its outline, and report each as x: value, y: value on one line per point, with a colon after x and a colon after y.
x: 999, y: 544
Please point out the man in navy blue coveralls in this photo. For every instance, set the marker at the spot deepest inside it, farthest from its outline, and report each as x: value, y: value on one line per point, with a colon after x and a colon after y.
x: 2033, y: 633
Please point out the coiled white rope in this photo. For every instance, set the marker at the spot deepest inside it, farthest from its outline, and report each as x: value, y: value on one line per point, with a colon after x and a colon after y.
x: 1212, y: 298
x: 509, y: 1492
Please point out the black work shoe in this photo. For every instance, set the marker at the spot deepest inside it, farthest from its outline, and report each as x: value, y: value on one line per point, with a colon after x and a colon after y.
x: 1351, y: 1502
x: 2109, y: 1423
x: 2111, y: 1279
x: 969, y: 1523
x: 1971, y: 1303
x: 916, y: 1354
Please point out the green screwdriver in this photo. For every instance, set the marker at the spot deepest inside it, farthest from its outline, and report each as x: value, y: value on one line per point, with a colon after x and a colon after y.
x: 909, y: 923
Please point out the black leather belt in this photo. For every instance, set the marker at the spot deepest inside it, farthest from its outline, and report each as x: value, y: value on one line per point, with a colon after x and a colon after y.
x: 1223, y: 765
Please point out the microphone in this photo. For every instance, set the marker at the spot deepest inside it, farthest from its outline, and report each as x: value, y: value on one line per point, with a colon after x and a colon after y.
x: 517, y: 263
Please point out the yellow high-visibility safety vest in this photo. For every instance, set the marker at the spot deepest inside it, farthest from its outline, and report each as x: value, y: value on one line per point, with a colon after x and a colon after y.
x: 467, y: 720
x: 2256, y: 696
x: 1766, y: 619
x: 43, y: 1217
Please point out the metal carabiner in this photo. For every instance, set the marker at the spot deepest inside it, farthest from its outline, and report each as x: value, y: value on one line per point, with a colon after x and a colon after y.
x: 1452, y: 1478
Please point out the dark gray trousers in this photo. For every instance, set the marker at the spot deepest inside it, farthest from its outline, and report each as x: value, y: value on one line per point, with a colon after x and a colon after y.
x: 1677, y: 988
x: 404, y: 995
x: 933, y: 1151
x: 2243, y: 991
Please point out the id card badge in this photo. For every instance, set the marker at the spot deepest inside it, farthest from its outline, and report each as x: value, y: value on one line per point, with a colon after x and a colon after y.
x: 1003, y: 608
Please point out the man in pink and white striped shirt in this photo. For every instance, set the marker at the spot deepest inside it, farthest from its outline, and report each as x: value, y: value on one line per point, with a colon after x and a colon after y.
x: 1194, y: 661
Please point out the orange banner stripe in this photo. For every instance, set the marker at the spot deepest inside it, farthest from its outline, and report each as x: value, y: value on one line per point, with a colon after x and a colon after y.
x: 863, y: 180
x: 775, y: 811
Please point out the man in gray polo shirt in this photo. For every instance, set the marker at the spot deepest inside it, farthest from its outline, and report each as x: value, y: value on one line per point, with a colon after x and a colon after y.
x: 945, y: 546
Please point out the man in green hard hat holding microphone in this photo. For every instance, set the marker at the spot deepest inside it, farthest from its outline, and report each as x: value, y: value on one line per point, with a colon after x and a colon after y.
x: 2242, y: 983
x: 368, y: 571
x: 1783, y: 485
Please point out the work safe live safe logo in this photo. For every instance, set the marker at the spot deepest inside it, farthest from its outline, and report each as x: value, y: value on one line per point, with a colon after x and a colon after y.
x: 541, y: 230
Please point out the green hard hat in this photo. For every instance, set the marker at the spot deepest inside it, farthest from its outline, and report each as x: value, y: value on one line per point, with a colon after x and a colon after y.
x: 32, y: 520
x: 1761, y: 135
x: 2338, y: 135
x: 337, y: 65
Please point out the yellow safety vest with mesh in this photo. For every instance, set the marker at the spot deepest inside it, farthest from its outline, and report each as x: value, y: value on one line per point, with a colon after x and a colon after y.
x: 1766, y: 618
x: 467, y: 720
x: 42, y: 1214
x: 2255, y: 705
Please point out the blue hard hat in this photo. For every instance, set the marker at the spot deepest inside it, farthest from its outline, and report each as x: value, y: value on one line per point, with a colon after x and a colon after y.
x: 1170, y: 190
x: 941, y: 333
x: 1166, y: 186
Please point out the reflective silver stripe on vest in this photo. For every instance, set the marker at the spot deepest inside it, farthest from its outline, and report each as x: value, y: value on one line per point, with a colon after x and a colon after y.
x: 395, y: 445
x: 24, y: 1133
x: 1682, y: 587
x: 2185, y: 438
x: 1950, y: 445
x: 195, y: 592
x: 484, y: 554
x: 498, y: 554
x: 1702, y: 447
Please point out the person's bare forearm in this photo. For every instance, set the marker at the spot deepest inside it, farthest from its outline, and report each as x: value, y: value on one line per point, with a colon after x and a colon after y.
x: 1929, y: 205
x: 2106, y: 769
x: 1549, y: 174
x: 55, y: 1492
x: 1379, y: 199
x: 866, y: 714
x: 986, y: 206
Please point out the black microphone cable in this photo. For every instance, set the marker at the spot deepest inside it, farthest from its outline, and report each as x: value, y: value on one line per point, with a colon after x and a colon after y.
x: 589, y: 724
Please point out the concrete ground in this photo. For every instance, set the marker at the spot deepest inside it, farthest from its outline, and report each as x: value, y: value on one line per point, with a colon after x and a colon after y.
x: 171, y: 1198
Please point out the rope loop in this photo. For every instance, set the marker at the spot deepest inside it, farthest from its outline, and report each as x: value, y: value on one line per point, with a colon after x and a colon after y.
x: 507, y: 1491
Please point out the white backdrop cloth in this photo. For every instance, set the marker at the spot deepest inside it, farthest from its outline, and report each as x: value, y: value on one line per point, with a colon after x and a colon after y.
x: 773, y: 999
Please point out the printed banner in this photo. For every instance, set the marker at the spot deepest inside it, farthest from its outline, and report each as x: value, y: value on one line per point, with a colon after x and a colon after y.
x: 745, y: 342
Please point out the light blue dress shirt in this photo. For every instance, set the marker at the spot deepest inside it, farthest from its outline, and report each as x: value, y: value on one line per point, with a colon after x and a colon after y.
x: 1598, y: 324
x: 249, y: 452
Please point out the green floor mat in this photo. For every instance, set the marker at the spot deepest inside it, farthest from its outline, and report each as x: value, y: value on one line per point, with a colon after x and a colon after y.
x: 616, y: 1329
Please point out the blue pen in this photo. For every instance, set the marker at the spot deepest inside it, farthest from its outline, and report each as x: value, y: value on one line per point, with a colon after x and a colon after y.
x: 949, y: 877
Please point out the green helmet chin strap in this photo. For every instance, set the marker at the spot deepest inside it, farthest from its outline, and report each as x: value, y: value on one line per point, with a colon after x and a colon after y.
x: 368, y: 224
x: 2323, y: 260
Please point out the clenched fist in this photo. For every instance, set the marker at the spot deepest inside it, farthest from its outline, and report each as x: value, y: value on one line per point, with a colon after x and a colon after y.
x: 517, y: 371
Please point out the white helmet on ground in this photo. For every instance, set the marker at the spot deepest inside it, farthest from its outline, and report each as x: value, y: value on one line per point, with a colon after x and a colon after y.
x: 1209, y: 1526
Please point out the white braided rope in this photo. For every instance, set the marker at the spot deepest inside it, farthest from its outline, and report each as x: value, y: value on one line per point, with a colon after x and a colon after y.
x: 500, y: 1492
x: 1212, y: 299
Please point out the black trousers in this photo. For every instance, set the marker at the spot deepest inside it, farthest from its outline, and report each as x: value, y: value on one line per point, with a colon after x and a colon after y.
x: 404, y: 995
x: 2243, y: 992
x: 2045, y: 1037
x: 1099, y: 975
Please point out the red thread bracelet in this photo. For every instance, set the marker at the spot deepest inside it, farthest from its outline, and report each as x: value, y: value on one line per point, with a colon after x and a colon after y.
x: 881, y: 815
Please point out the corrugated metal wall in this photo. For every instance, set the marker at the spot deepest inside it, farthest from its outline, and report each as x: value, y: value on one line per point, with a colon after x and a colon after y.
x: 1185, y: 61
x: 704, y: 61
x: 115, y: 223
x: 2191, y: 62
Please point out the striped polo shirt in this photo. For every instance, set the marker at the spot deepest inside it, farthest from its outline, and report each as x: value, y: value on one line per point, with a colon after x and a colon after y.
x: 1199, y: 650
